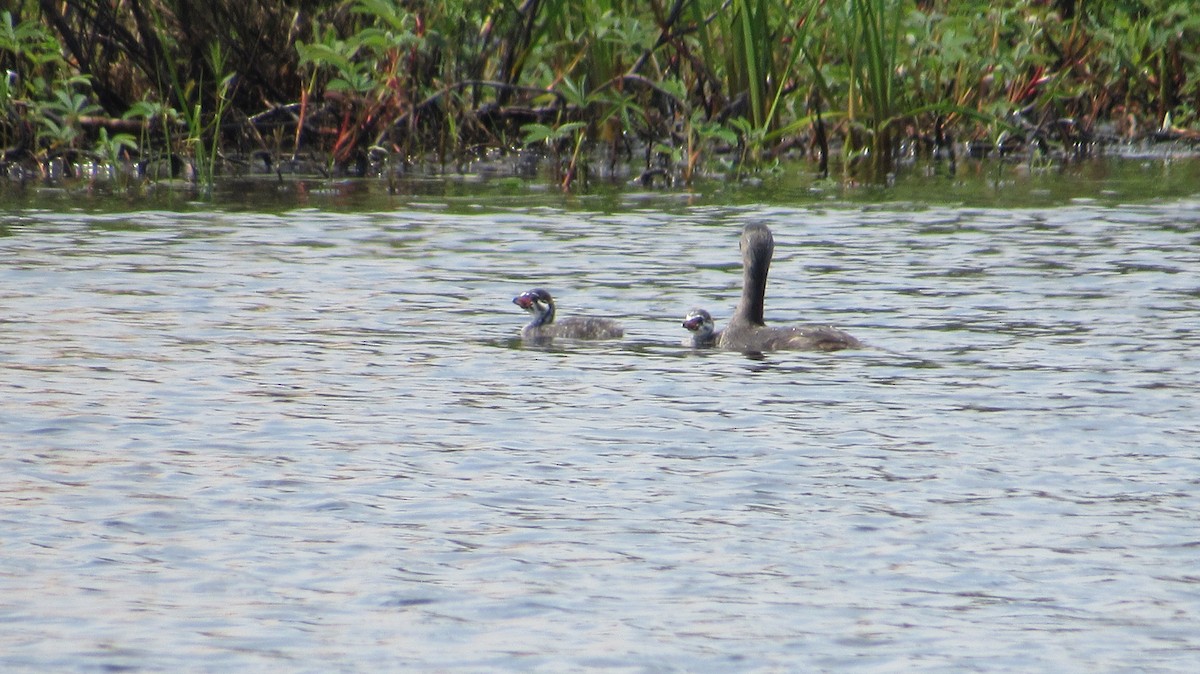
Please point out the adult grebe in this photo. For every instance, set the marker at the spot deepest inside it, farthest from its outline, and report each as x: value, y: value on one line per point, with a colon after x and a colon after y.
x: 747, y: 331
x: 543, y: 326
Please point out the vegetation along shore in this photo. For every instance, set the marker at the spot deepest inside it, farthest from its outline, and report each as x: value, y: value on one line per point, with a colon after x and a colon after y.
x: 659, y: 91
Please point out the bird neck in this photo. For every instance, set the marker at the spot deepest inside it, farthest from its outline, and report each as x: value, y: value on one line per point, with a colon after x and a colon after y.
x: 754, y: 285
x: 704, y: 338
x: 543, y: 314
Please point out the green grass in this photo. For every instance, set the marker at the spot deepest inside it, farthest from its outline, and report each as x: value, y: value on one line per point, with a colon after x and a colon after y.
x: 671, y: 87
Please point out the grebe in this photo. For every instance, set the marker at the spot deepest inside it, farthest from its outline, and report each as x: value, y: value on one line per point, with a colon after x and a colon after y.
x: 543, y: 326
x: 746, y: 330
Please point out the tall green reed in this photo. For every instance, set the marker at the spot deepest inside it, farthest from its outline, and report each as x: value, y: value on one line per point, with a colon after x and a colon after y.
x: 676, y: 76
x: 874, y: 97
x: 762, y: 42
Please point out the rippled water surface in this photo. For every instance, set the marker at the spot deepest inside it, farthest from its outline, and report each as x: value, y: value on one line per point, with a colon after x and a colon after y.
x: 307, y: 440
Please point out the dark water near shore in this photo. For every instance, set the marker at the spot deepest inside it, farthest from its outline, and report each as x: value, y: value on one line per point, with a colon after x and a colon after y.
x: 298, y: 434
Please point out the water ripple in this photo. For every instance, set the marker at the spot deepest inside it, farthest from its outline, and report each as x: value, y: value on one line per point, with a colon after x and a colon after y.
x: 257, y: 440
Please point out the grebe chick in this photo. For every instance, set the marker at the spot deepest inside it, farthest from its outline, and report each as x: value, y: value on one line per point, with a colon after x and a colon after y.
x: 700, y: 323
x: 747, y: 331
x: 543, y: 326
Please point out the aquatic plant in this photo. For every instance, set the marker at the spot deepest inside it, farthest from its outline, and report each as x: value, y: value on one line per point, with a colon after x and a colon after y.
x: 758, y: 69
x: 680, y: 87
x: 155, y: 117
x: 60, y: 115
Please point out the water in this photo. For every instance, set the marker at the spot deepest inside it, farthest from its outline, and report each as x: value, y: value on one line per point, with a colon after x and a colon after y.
x: 305, y: 439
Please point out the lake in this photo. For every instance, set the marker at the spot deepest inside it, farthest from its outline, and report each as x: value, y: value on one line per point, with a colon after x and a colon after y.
x: 300, y: 433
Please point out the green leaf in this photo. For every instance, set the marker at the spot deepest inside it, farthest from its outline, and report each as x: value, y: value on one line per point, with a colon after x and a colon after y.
x: 536, y: 133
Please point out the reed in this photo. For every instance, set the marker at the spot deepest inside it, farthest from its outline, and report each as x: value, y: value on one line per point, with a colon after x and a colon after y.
x: 865, y: 38
x: 768, y: 39
x: 678, y: 85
